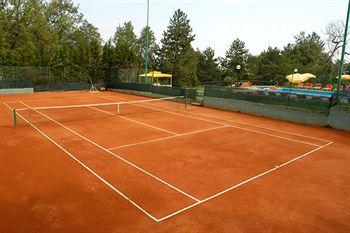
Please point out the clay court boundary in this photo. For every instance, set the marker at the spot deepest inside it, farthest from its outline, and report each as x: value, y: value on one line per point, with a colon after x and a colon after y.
x: 245, y: 182
x: 227, y: 125
x: 197, y: 201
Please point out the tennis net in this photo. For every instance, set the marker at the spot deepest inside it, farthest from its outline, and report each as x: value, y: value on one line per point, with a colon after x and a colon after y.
x: 90, y: 112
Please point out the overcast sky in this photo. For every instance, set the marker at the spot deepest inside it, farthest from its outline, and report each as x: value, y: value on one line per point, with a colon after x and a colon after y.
x: 216, y: 23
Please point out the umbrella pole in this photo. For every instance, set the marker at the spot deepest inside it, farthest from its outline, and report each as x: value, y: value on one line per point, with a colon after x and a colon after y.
x: 290, y: 89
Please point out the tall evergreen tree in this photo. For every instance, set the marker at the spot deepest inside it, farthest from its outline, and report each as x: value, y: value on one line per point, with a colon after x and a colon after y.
x: 208, y: 71
x: 108, y: 61
x: 187, y: 69
x: 269, y: 66
x: 236, y: 55
x: 142, y: 48
x: 176, y: 45
x: 126, y: 47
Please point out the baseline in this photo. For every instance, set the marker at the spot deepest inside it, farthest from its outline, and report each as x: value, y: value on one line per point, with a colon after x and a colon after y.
x: 244, y: 182
x: 87, y: 168
x: 115, y: 155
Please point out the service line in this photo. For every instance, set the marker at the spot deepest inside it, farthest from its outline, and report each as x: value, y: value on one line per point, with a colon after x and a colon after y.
x: 228, y: 125
x: 86, y: 167
x: 113, y: 154
x: 165, y: 138
x: 243, y: 123
x: 244, y: 182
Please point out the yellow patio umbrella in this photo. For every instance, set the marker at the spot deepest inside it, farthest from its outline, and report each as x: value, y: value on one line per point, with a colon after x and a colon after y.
x: 345, y: 77
x: 299, y: 78
x: 157, y: 75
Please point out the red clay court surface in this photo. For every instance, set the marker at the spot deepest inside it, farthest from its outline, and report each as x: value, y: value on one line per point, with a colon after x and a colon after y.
x: 167, y: 169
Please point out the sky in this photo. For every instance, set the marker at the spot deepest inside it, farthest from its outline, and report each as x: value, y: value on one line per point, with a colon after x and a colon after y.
x: 216, y: 23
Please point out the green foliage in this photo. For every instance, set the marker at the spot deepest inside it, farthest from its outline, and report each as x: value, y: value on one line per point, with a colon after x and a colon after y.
x: 208, y: 70
x: 269, y: 66
x: 108, y: 62
x: 236, y: 55
x: 307, y: 55
x: 53, y: 33
x: 176, y: 48
x: 126, y: 47
x: 142, y: 45
x: 186, y: 72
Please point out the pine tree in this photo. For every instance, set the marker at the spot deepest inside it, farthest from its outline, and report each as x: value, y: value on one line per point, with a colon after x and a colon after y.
x: 108, y: 61
x: 187, y: 69
x: 208, y: 71
x: 269, y: 66
x: 176, y: 45
x: 142, y: 48
x: 236, y: 55
x: 126, y: 48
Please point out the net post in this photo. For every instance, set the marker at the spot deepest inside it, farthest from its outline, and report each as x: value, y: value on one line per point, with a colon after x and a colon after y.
x: 14, y: 118
x: 185, y: 99
x: 184, y: 92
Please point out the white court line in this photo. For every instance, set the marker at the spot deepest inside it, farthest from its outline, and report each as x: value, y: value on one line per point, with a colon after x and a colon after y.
x: 87, y: 168
x: 164, y: 138
x: 138, y: 122
x: 203, y: 130
x: 244, y: 182
x: 237, y: 127
x: 231, y: 188
x: 262, y: 127
x: 5, y: 103
x: 276, y: 136
x: 179, y: 114
x: 115, y: 155
x: 51, y: 99
x: 97, y: 104
x: 144, y: 142
x: 257, y: 126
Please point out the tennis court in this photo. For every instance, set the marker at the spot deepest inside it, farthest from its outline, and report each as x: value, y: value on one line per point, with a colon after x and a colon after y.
x: 161, y: 165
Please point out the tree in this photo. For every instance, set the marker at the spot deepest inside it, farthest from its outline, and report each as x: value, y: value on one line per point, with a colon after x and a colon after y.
x: 236, y: 55
x: 208, y: 71
x: 188, y: 63
x: 126, y: 48
x: 63, y: 19
x: 49, y: 33
x: 108, y: 61
x: 176, y: 45
x: 308, y: 55
x: 334, y: 38
x: 269, y: 66
x: 20, y: 24
x: 142, y: 41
